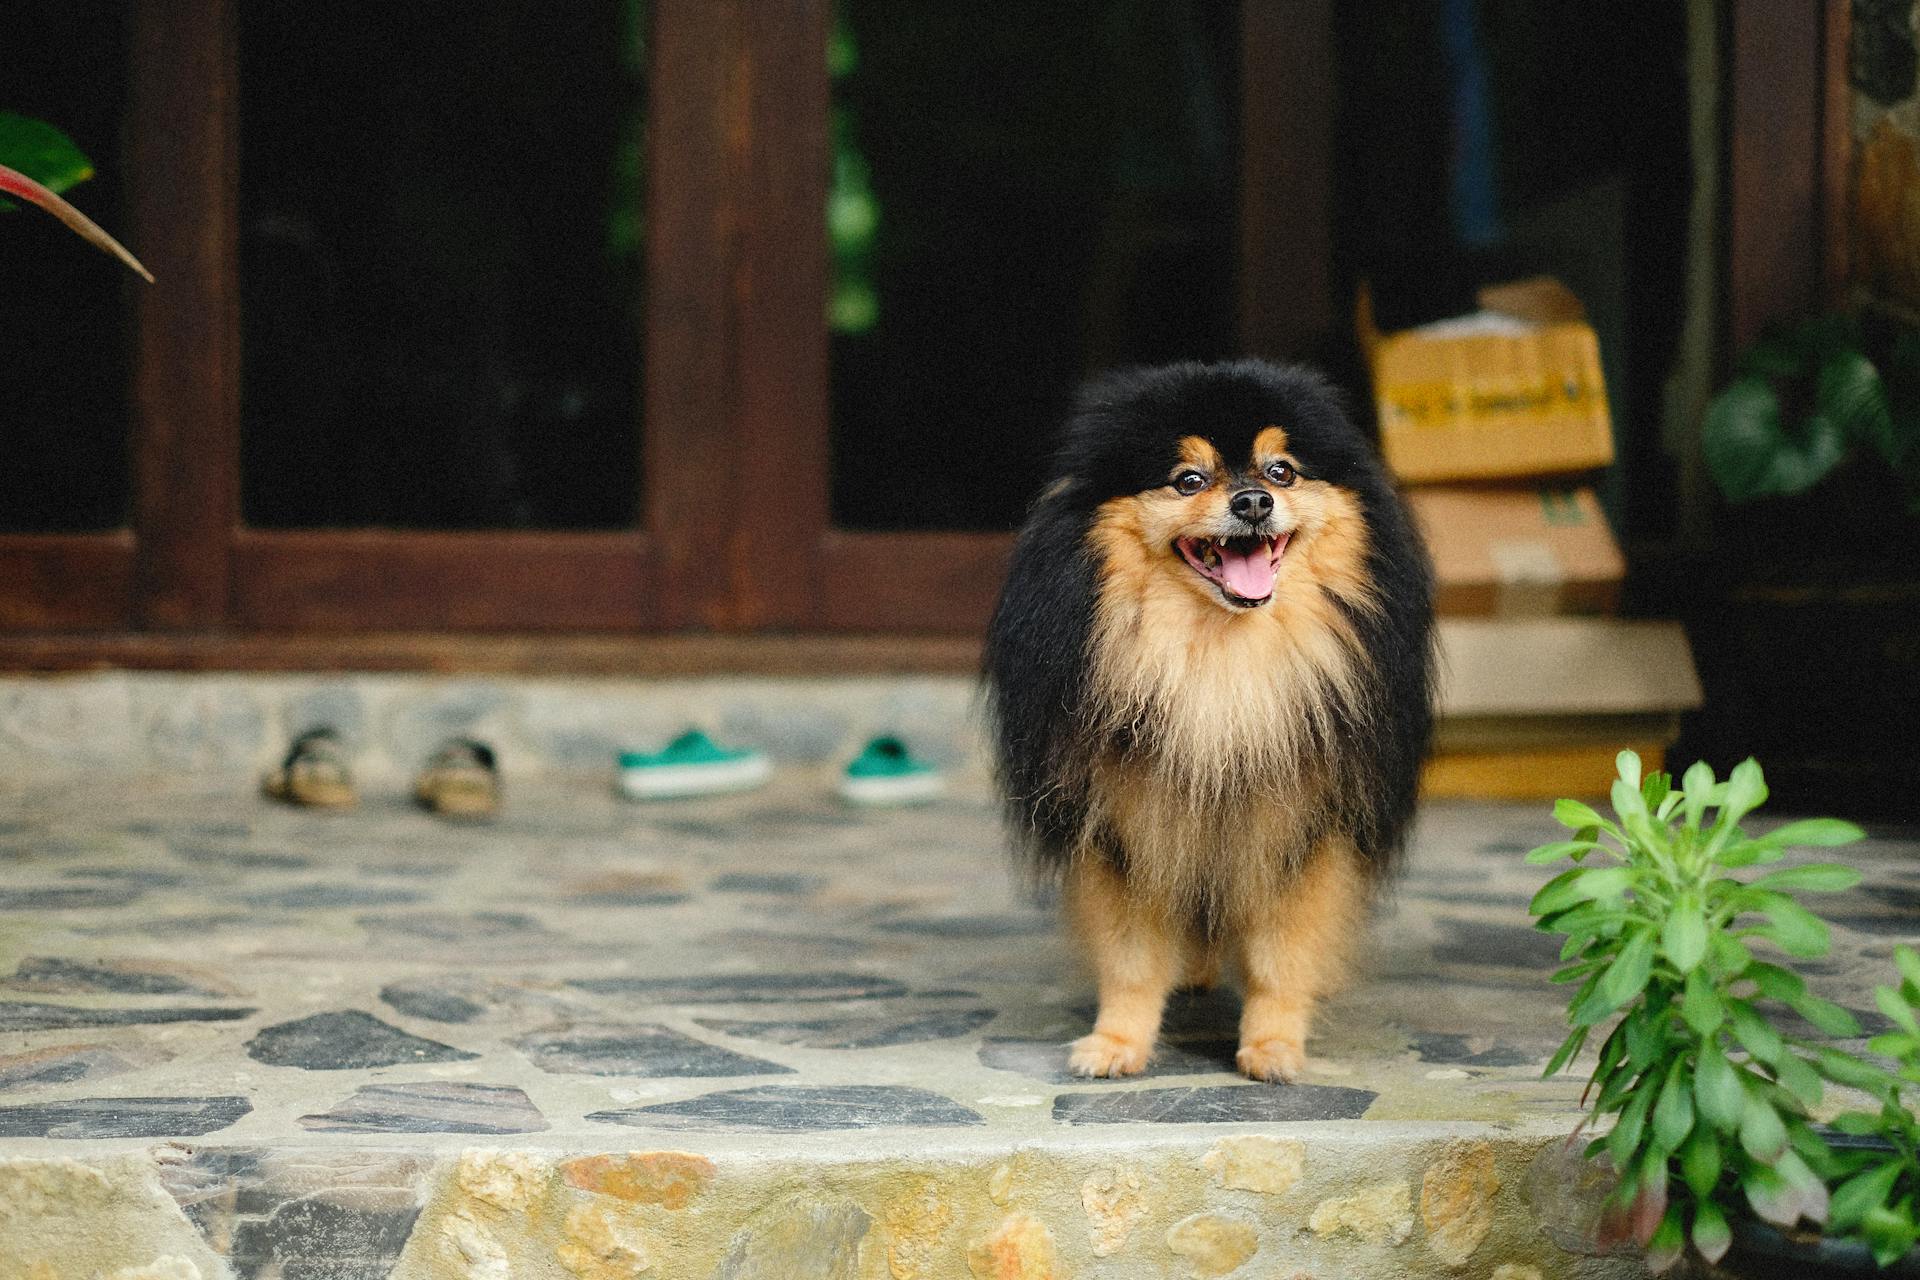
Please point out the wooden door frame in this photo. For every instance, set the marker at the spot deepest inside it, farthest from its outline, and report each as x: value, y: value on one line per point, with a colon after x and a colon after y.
x: 737, y: 401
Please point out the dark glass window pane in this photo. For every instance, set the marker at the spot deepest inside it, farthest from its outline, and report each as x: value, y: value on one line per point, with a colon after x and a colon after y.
x: 440, y: 209
x: 65, y: 323
x: 1022, y: 194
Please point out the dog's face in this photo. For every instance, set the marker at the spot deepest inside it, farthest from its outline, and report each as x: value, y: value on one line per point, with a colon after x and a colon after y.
x: 1234, y: 490
x: 1224, y: 524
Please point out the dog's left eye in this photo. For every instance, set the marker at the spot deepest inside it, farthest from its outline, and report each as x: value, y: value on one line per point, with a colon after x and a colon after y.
x: 1282, y: 473
x: 1189, y: 483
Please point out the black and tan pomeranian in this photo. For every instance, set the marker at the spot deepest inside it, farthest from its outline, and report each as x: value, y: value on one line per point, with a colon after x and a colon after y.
x: 1209, y: 672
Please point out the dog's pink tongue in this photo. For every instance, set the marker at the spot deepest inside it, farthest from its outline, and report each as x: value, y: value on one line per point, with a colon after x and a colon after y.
x: 1250, y: 576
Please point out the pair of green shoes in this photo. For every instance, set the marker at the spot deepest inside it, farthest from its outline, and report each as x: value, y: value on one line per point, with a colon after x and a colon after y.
x: 693, y: 764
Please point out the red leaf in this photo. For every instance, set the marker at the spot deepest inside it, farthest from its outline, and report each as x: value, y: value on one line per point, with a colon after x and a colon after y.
x: 15, y: 183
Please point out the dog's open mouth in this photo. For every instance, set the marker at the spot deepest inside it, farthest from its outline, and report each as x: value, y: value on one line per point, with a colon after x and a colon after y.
x: 1242, y: 568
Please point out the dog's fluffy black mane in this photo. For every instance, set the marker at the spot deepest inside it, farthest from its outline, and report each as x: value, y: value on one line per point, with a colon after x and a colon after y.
x: 1122, y: 439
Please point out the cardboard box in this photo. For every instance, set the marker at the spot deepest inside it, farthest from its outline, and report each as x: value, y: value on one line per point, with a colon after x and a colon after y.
x: 1536, y: 709
x: 1519, y: 552
x: 1515, y: 390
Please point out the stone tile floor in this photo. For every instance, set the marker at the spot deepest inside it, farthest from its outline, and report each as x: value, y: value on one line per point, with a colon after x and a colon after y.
x: 354, y: 1045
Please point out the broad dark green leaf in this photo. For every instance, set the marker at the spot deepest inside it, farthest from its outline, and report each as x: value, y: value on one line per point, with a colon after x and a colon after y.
x: 42, y: 152
x: 1751, y: 453
x: 1851, y: 393
x: 1775, y: 982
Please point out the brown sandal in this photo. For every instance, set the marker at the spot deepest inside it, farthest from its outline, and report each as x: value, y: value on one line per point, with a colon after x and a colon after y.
x: 314, y: 773
x: 461, y: 780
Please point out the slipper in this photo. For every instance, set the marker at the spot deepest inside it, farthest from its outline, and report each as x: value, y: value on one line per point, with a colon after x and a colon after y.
x: 691, y: 765
x: 460, y: 780
x: 314, y: 773
x: 886, y: 773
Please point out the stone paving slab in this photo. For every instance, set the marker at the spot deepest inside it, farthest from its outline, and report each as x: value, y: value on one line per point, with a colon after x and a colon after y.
x: 753, y: 1036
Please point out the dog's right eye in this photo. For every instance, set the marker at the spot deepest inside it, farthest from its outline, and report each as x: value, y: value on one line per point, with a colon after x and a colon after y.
x: 1188, y: 483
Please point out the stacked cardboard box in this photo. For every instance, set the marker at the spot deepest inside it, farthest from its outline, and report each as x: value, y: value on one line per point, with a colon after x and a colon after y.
x: 1493, y: 422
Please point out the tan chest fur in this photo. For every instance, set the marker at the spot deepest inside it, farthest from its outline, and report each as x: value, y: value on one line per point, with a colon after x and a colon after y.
x: 1229, y: 714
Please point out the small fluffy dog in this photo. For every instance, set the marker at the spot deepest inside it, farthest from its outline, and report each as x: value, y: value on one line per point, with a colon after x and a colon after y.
x: 1209, y: 672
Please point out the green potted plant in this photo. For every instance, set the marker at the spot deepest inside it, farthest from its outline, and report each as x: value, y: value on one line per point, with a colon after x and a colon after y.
x: 1711, y: 1091
x: 37, y: 162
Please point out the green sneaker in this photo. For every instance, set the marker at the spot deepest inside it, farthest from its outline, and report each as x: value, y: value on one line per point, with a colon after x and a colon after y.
x: 886, y: 773
x: 691, y: 765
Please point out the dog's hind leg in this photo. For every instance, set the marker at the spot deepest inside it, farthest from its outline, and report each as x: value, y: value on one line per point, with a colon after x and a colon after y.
x: 1293, y: 949
x: 1137, y: 958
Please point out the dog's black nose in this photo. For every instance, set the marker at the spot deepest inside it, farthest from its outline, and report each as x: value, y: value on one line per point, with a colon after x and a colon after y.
x: 1252, y: 505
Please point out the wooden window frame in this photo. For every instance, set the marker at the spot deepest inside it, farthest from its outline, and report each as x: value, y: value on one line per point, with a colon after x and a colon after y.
x: 736, y: 349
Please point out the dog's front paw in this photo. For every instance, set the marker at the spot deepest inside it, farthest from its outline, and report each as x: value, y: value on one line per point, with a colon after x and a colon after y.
x: 1101, y: 1054
x: 1274, y: 1061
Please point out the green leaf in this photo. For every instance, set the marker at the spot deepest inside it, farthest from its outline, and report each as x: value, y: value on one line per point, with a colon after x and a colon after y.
x: 1799, y: 1079
x: 1628, y: 802
x: 1669, y: 1240
x: 1624, y: 1141
x: 1717, y: 1089
x: 1896, y: 1009
x: 1560, y: 849
x: 1623, y: 980
x: 42, y: 152
x: 1796, y: 930
x: 1908, y: 962
x: 1776, y: 983
x: 1814, y: 877
x: 1859, y: 1195
x: 1711, y: 1235
x: 1673, y: 1113
x: 1572, y: 813
x: 1751, y: 454
x: 1755, y: 1034
x: 1694, y: 786
x: 1569, y: 1048
x: 1820, y: 833
x: 1825, y: 1015
x: 1727, y: 955
x: 1761, y: 1133
x: 1700, y: 1006
x: 1582, y: 884
x: 1700, y: 1163
x: 1772, y: 1199
x: 1683, y: 939
x: 1749, y: 852
x: 1746, y: 791
x: 1628, y: 763
x: 1850, y: 391
x: 1656, y: 790
x: 1844, y: 1068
